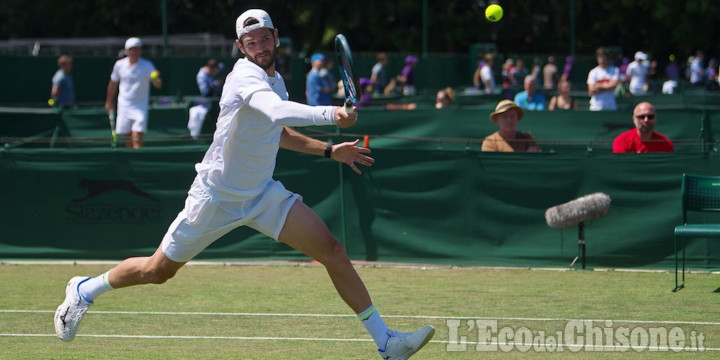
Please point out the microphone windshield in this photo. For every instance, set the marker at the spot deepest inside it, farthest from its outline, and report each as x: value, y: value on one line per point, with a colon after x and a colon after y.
x: 586, y: 208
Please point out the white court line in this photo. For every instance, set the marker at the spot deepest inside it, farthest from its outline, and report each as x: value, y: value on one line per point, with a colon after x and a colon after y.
x: 189, y: 337
x: 618, y: 348
x: 427, y: 317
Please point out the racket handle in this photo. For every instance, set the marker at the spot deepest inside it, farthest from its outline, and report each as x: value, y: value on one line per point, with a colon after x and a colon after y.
x: 113, y: 135
x: 348, y: 107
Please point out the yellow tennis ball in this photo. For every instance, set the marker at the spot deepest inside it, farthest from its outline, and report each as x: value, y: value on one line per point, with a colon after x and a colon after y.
x: 51, y: 102
x: 494, y: 12
x: 154, y: 75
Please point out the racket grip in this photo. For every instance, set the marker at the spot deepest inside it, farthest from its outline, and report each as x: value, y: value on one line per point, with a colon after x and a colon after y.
x: 348, y: 107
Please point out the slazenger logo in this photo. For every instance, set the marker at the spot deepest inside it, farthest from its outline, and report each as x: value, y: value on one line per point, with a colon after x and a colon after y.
x: 113, y: 201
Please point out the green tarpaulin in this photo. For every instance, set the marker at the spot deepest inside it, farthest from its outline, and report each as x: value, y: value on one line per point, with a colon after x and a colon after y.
x: 441, y: 206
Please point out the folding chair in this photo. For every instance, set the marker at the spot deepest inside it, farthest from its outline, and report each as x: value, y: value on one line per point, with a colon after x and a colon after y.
x: 699, y: 194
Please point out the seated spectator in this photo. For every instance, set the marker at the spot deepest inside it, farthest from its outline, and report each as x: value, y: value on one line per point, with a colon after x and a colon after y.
x: 529, y: 99
x: 644, y: 138
x: 563, y: 101
x: 209, y: 86
x: 507, y: 138
x: 366, y: 91
x: 404, y: 83
x: 207, y: 81
x: 444, y: 98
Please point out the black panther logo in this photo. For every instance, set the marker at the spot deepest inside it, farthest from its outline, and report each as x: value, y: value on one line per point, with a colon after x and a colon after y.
x: 98, y: 187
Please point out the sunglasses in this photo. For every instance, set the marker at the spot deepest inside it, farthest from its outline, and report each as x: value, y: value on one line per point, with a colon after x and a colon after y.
x: 648, y: 116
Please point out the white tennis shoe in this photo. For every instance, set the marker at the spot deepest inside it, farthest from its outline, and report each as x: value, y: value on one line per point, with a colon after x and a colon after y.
x: 71, y: 311
x: 401, y: 346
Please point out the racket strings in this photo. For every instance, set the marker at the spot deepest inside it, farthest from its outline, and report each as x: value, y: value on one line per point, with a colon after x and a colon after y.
x: 346, y: 67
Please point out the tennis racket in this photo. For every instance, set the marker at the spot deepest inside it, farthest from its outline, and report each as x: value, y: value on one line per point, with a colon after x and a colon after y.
x: 347, y: 71
x: 113, y: 139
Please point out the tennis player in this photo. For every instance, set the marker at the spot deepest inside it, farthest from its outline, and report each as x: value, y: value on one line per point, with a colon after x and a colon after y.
x: 132, y: 75
x: 234, y: 187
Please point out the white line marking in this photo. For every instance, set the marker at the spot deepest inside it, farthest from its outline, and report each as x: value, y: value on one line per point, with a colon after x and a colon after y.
x: 189, y: 337
x: 427, y: 317
x: 268, y: 338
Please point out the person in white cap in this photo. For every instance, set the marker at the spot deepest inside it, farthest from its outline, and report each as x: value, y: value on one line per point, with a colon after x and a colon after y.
x: 132, y: 75
x: 234, y: 187
x: 637, y: 71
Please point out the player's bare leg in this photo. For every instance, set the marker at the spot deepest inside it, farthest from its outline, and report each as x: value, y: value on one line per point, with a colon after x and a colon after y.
x: 137, y: 139
x: 128, y: 141
x: 307, y: 233
x: 155, y: 269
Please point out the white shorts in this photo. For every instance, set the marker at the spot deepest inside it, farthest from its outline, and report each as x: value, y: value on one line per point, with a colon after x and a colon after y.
x: 209, y: 215
x: 131, y: 119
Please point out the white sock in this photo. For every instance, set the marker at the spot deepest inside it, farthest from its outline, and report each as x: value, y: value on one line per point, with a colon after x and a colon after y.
x: 375, y: 326
x: 93, y: 287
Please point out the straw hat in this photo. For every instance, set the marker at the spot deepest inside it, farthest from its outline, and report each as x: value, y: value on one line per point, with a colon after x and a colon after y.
x: 504, y: 106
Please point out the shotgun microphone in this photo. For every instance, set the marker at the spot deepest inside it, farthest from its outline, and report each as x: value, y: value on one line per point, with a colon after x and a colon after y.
x: 586, y: 208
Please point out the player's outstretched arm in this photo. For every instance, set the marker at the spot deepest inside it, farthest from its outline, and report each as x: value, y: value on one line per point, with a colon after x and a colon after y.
x: 346, y: 152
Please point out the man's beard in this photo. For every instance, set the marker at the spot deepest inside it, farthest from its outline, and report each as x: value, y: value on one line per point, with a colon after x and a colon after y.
x: 646, y: 129
x: 266, y: 62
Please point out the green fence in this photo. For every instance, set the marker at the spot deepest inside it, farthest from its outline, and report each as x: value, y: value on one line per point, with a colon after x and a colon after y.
x: 441, y: 206
x: 431, y: 197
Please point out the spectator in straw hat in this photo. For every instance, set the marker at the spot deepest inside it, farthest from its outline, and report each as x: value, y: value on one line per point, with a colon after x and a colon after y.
x: 507, y: 138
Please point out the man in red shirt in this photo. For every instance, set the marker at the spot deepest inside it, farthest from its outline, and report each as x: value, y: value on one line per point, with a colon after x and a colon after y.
x: 644, y: 138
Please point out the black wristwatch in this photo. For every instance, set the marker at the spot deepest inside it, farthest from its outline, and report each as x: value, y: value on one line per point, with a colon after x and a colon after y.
x: 328, y: 148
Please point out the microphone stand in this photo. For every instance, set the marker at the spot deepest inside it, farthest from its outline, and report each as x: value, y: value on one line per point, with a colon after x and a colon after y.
x: 581, y: 245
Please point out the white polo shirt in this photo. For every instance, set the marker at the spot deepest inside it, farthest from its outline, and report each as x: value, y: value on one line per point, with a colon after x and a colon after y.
x: 606, y: 99
x: 253, y: 112
x: 134, y: 88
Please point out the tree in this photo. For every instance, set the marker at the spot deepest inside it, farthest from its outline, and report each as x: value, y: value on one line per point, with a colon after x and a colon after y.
x: 529, y: 26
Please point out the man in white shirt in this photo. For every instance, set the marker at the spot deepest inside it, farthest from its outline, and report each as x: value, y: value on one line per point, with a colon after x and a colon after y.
x: 637, y: 71
x: 601, y: 82
x: 234, y: 187
x: 132, y: 75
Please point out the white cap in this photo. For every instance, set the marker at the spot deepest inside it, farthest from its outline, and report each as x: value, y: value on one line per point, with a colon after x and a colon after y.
x: 262, y: 17
x: 132, y: 42
x: 640, y: 55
